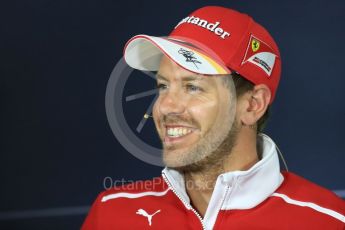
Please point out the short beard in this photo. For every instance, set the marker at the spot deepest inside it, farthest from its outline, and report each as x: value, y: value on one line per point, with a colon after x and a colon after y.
x: 217, y: 157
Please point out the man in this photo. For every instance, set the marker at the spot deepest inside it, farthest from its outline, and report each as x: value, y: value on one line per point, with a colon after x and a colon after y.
x: 218, y: 72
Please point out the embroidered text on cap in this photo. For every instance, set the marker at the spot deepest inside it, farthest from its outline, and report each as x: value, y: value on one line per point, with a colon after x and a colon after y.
x: 214, y: 27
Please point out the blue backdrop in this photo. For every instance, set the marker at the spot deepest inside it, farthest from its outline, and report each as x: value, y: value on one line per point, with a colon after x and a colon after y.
x: 56, y: 58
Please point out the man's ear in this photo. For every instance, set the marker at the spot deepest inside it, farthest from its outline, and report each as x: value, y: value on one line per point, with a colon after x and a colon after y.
x: 253, y: 104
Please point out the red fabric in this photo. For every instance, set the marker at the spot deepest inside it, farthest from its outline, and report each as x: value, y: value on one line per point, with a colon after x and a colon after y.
x: 273, y: 213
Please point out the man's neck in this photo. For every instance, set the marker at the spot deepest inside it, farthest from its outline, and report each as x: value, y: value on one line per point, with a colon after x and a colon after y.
x: 200, y: 185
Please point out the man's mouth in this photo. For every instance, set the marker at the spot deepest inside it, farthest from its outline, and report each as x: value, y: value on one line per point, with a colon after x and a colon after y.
x: 178, y: 132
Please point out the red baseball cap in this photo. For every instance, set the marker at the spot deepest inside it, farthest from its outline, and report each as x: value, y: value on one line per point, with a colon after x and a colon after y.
x: 212, y: 40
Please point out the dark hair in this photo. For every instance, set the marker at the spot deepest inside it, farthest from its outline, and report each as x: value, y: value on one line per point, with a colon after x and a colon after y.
x: 242, y: 86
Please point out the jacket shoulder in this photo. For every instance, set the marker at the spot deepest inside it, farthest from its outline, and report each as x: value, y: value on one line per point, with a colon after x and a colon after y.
x: 302, y: 191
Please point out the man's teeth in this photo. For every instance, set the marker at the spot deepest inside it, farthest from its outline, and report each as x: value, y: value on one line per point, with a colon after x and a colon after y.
x: 178, y: 132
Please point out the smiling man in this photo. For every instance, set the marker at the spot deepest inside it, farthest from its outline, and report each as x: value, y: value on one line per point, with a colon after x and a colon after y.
x: 217, y: 75
x: 192, y: 115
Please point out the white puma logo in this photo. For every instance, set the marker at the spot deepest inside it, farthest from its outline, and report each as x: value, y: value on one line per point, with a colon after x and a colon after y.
x: 144, y: 213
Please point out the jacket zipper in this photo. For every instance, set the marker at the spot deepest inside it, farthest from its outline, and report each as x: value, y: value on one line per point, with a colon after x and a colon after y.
x: 221, y: 204
x: 183, y: 201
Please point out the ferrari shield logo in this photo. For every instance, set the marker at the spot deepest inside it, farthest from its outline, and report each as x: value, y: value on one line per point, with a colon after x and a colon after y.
x: 260, y: 54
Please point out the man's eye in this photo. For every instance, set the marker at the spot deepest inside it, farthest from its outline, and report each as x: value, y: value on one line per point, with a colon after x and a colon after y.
x: 161, y: 86
x: 193, y: 88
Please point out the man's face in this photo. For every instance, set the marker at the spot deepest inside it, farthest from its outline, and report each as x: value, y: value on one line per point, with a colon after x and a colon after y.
x: 193, y: 114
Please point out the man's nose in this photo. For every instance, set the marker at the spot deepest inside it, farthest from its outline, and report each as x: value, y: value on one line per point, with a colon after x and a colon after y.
x: 171, y: 103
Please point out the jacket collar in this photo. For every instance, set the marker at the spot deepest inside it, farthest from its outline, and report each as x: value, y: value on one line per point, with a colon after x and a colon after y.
x: 240, y: 189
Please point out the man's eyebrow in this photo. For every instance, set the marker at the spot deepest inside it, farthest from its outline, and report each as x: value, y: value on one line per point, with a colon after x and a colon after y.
x: 193, y: 78
x: 160, y: 77
x: 188, y: 78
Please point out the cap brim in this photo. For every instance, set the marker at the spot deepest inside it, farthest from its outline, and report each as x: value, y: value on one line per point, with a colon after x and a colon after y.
x: 144, y: 52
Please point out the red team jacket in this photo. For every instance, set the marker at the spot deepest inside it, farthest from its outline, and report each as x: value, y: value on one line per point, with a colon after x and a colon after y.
x: 260, y: 198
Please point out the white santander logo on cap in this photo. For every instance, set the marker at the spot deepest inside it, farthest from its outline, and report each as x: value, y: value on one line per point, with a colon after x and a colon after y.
x: 213, y: 27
